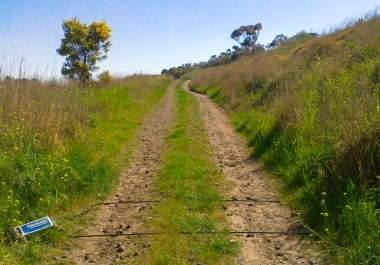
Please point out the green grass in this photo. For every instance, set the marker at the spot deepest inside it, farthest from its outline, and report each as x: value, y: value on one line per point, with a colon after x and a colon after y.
x: 186, y: 184
x: 215, y: 93
x: 40, y: 180
x: 311, y: 116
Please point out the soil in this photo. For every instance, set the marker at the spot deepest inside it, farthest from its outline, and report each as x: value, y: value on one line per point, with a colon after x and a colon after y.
x: 135, y: 185
x: 252, y: 186
x: 234, y: 160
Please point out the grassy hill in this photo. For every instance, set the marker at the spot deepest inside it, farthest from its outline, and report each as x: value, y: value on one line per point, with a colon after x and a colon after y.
x: 310, y: 109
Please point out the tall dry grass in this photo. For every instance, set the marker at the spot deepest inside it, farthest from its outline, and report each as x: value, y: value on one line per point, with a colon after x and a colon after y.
x: 49, y: 113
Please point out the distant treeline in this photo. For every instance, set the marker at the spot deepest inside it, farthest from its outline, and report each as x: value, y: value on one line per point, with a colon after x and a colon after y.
x: 231, y: 55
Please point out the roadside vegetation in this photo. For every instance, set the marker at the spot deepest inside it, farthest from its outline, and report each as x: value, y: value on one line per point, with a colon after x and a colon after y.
x: 189, y: 186
x: 61, y: 149
x: 310, y: 110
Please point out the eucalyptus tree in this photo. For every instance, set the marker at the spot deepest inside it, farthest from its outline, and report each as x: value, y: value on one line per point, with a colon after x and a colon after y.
x: 247, y: 36
x: 277, y: 41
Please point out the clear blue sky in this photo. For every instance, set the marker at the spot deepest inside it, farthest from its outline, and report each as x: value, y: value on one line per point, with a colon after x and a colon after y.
x: 151, y: 35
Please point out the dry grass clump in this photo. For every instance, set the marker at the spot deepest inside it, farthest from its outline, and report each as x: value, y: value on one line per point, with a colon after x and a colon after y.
x: 52, y: 111
x: 282, y: 60
x: 246, y: 75
x: 299, y: 50
x: 48, y: 112
x: 344, y: 34
x: 315, y: 47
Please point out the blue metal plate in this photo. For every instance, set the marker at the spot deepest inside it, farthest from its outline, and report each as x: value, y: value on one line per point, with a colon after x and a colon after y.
x: 36, y: 225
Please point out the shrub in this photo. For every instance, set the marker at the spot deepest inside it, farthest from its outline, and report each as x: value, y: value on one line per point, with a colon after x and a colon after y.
x: 105, y: 77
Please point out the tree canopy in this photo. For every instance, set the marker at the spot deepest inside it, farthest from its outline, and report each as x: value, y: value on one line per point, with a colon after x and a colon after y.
x: 246, y: 36
x: 105, y: 77
x: 277, y: 41
x: 175, y: 71
x: 84, y: 45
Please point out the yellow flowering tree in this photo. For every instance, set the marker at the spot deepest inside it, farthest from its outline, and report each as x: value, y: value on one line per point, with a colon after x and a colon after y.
x: 176, y: 72
x: 84, y: 45
x: 105, y: 77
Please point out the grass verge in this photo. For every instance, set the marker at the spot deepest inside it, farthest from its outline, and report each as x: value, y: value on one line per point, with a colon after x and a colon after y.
x: 311, y: 114
x: 56, y: 175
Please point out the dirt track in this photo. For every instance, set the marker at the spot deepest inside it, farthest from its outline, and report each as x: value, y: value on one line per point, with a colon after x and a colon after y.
x: 135, y: 185
x: 233, y: 158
